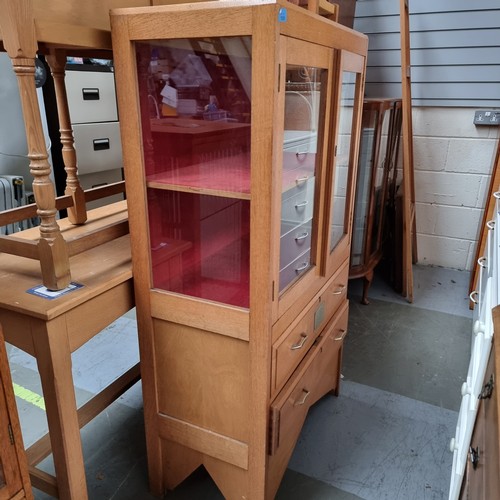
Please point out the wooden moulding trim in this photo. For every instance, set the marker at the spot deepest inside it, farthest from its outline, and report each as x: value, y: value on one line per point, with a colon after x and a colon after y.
x: 20, y: 495
x: 301, y: 24
x: 43, y: 481
x: 204, y: 441
x: 173, y: 23
x: 179, y: 309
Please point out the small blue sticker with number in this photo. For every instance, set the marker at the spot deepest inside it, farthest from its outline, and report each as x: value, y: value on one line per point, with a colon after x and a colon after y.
x: 283, y: 15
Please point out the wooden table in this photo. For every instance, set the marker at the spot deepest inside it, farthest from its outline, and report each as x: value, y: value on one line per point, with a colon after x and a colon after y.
x: 50, y: 330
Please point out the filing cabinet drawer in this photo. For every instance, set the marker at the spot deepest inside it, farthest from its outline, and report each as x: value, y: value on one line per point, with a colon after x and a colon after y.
x: 294, y: 241
x: 316, y: 375
x: 91, y: 96
x: 98, y: 147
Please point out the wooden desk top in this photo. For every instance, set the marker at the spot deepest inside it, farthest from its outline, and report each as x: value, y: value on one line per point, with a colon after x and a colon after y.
x: 98, y: 269
x: 69, y: 23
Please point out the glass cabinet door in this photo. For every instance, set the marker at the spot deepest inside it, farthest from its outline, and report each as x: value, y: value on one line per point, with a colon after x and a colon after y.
x: 341, y: 195
x: 195, y: 101
x: 304, y: 91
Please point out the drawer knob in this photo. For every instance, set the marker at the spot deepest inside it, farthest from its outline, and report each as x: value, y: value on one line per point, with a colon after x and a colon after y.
x: 300, y: 343
x: 339, y: 290
x: 473, y: 296
x: 302, y: 236
x: 487, y: 389
x: 302, y: 400
x: 474, y: 456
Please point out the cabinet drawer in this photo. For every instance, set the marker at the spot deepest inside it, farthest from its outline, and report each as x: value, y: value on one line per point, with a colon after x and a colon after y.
x: 91, y: 96
x: 317, y: 374
x: 297, y: 267
x: 336, y: 293
x: 297, y: 167
x: 294, y: 241
x: 297, y: 204
x: 98, y: 147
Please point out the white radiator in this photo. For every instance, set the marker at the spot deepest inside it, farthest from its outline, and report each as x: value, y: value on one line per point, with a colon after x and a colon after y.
x: 12, y: 195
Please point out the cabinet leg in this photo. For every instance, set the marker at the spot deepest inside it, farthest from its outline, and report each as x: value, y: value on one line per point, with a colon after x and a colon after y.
x: 367, y: 281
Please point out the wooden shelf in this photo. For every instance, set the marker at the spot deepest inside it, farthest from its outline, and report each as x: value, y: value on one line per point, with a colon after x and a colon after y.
x: 225, y: 177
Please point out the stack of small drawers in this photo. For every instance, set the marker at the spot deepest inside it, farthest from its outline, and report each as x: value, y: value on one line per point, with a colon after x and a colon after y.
x: 474, y: 388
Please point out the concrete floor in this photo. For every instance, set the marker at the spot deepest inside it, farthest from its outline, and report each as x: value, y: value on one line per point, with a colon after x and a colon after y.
x: 385, y: 437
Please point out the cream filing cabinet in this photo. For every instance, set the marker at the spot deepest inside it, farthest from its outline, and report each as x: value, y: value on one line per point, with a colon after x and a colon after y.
x: 96, y: 129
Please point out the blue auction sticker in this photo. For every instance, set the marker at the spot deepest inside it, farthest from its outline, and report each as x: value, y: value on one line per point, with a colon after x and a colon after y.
x: 41, y: 291
x: 282, y: 15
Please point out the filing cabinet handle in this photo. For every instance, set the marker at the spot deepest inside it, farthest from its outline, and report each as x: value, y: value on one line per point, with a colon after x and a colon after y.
x: 301, y: 204
x: 482, y: 261
x: 305, y: 395
x: 101, y: 144
x: 490, y: 224
x: 301, y: 180
x: 300, y: 343
x: 342, y: 334
x: 305, y: 265
x: 302, y: 236
x: 487, y: 389
x: 90, y: 94
x: 472, y: 296
x: 474, y: 456
x: 339, y: 291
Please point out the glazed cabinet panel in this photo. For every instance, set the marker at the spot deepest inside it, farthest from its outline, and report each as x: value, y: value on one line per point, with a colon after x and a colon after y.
x: 231, y: 116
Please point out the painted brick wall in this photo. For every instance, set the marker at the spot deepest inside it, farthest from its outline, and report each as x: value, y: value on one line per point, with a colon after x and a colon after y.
x: 453, y: 160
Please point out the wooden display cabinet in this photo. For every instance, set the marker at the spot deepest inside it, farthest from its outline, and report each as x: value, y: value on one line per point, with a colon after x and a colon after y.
x: 240, y: 129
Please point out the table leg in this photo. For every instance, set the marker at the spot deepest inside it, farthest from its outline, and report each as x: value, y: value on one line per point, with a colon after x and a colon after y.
x: 53, y: 356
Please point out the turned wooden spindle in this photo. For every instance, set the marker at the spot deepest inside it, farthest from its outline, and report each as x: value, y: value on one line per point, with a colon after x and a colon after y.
x: 77, y: 214
x: 19, y: 39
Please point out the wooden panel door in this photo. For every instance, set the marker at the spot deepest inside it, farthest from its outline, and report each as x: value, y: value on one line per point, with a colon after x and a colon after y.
x: 14, y: 478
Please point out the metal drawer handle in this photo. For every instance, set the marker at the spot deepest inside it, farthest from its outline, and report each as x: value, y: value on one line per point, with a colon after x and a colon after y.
x: 490, y: 224
x: 342, y: 334
x: 305, y: 265
x: 472, y: 296
x: 90, y: 94
x: 301, y: 153
x: 487, y: 389
x: 303, y: 236
x: 474, y: 456
x: 339, y: 291
x: 482, y: 261
x: 101, y: 144
x: 496, y: 194
x: 300, y: 343
x: 305, y: 395
x: 301, y: 180
x: 301, y: 204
